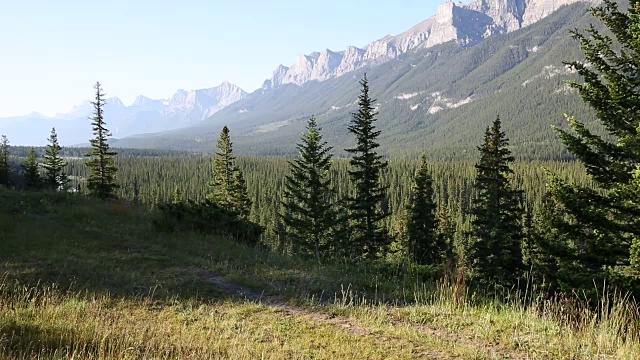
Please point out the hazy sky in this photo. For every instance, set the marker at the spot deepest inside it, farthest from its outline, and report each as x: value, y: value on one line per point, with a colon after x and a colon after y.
x: 52, y: 52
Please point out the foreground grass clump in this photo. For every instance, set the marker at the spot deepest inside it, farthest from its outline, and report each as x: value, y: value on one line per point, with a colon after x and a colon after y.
x: 85, y: 279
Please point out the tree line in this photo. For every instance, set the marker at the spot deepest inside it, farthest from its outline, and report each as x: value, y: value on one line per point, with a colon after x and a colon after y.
x: 102, y: 181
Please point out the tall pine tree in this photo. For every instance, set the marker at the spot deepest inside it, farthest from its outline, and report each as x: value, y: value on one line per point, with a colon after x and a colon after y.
x: 5, y: 166
x: 423, y: 243
x: 365, y: 206
x: 31, y: 172
x: 102, y: 182
x: 309, y: 213
x: 228, y: 188
x: 240, y: 201
x: 495, y: 243
x: 601, y: 227
x: 54, y: 164
x: 224, y: 171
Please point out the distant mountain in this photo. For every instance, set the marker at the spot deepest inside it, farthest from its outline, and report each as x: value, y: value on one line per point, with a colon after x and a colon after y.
x: 145, y: 115
x: 438, y: 85
x: 434, y: 99
x: 467, y: 24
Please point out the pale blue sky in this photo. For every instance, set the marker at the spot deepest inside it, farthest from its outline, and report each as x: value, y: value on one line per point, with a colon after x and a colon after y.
x: 52, y: 52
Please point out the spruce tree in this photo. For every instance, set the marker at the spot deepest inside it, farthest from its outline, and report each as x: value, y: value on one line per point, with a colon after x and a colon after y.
x: 54, y: 164
x: 102, y: 182
x: 495, y: 243
x: 341, y: 233
x: 224, y: 184
x: 240, y: 201
x: 309, y: 213
x: 601, y: 226
x: 366, y: 212
x: 545, y: 235
x: 5, y: 166
x: 31, y: 172
x: 176, y: 197
x: 446, y: 233
x: 423, y: 244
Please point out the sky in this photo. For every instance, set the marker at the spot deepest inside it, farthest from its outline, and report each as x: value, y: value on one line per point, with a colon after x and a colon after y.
x: 52, y: 52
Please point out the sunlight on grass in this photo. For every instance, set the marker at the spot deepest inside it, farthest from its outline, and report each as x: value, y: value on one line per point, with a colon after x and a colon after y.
x: 75, y: 287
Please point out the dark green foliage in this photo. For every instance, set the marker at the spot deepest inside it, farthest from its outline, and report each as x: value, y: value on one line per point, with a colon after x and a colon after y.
x: 446, y: 234
x: 542, y: 242
x: 228, y: 188
x: 224, y: 169
x: 309, y: 210
x: 424, y: 246
x: 495, y: 244
x: 206, y: 217
x: 600, y: 226
x: 5, y: 167
x: 452, y: 183
x: 240, y: 201
x: 54, y: 165
x: 369, y: 237
x: 102, y: 182
x: 31, y: 172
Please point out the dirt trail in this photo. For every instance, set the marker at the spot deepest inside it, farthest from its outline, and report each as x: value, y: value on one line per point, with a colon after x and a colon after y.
x: 280, y: 304
x: 276, y: 302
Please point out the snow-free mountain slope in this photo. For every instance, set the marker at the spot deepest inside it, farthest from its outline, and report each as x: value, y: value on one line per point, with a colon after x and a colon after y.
x: 435, y: 100
x: 467, y: 24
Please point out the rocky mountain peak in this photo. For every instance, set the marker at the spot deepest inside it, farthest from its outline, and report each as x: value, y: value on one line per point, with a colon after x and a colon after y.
x: 467, y: 24
x: 114, y: 102
x: 202, y: 103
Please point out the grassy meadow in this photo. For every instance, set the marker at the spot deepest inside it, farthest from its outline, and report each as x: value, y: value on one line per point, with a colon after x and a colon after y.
x: 81, y: 279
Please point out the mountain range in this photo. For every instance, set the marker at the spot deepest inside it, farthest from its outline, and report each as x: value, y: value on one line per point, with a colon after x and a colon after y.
x: 467, y: 24
x: 431, y: 99
x: 438, y: 85
x: 145, y: 115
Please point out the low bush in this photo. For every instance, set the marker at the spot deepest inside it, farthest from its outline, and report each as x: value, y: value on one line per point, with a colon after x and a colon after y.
x: 206, y: 218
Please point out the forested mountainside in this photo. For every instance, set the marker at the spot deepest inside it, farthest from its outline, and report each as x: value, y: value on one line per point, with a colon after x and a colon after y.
x: 437, y: 99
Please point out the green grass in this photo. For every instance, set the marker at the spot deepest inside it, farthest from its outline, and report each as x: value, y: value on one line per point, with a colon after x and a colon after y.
x: 84, y: 279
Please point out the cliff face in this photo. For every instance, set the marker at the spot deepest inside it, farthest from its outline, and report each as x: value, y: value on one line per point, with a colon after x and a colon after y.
x: 200, y: 104
x: 468, y: 24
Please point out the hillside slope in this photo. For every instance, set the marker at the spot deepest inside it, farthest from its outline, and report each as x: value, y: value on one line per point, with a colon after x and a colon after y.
x: 91, y: 280
x: 440, y: 98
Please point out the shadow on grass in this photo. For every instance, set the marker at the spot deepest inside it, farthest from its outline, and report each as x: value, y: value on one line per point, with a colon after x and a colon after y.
x: 20, y: 339
x: 84, y: 245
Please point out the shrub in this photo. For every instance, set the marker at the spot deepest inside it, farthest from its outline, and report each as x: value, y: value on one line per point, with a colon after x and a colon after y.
x: 206, y: 218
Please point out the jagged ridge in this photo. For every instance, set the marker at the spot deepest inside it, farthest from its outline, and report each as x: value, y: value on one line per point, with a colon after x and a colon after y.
x: 466, y: 24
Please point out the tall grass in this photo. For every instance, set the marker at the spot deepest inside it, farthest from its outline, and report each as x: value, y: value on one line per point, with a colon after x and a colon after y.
x: 83, y: 280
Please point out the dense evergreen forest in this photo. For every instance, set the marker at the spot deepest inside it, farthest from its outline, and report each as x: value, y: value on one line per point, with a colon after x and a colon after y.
x: 152, y: 176
x: 157, y: 178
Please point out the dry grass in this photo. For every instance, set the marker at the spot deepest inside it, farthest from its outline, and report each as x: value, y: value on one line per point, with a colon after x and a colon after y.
x: 85, y: 280
x: 48, y: 325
